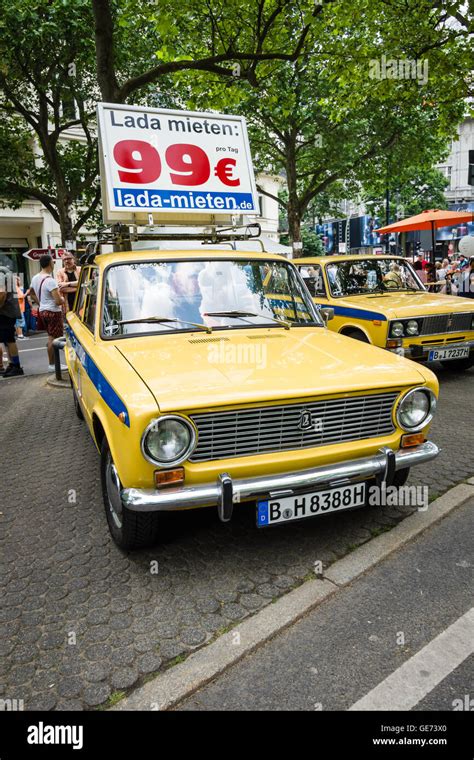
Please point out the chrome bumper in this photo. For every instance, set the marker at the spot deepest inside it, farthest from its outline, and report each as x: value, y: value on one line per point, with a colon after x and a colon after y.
x: 420, y: 352
x: 225, y: 492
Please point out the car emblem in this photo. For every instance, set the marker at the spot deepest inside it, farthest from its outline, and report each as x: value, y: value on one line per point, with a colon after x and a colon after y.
x: 306, y: 420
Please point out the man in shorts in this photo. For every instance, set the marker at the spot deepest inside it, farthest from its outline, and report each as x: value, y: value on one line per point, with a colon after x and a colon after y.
x: 9, y: 313
x: 45, y: 292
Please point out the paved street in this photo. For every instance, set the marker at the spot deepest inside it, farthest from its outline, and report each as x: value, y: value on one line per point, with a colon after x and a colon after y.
x: 33, y: 355
x: 81, y: 621
x: 384, y: 629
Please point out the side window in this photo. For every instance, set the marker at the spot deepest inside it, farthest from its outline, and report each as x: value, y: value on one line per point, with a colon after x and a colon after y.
x: 86, y: 304
x: 313, y: 279
x: 90, y: 307
x: 81, y: 296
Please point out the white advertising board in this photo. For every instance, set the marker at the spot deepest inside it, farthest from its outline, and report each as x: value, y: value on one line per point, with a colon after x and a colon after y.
x: 173, y: 164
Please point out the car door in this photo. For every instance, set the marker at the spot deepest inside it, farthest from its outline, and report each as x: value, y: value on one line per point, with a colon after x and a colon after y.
x: 82, y: 325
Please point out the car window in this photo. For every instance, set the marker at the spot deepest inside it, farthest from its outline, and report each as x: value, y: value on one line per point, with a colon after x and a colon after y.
x: 159, y: 296
x: 313, y: 279
x: 81, y: 297
x: 86, y: 305
x: 365, y: 276
x: 90, y: 307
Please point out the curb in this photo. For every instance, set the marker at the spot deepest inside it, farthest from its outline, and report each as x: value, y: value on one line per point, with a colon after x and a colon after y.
x: 171, y: 687
x: 58, y: 383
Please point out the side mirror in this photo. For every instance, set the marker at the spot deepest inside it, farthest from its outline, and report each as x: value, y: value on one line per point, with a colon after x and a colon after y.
x: 327, y: 314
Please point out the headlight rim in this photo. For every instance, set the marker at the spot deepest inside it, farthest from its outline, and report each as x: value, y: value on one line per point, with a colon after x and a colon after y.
x: 189, y: 449
x: 412, y: 334
x: 432, y: 408
x: 392, y: 325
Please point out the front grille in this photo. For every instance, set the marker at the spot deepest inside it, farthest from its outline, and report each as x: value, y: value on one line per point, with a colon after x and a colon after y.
x: 446, y: 323
x: 222, y: 435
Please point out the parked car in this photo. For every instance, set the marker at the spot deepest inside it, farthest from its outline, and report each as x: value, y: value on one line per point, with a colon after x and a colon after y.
x: 209, y: 378
x: 382, y: 301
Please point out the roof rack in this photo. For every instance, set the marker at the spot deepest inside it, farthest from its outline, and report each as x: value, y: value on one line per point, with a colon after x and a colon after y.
x: 121, y: 236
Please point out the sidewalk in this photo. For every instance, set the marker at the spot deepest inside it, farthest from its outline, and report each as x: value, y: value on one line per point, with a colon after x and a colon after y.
x: 346, y: 648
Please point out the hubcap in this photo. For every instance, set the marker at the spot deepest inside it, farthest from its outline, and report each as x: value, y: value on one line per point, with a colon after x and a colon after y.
x: 112, y: 483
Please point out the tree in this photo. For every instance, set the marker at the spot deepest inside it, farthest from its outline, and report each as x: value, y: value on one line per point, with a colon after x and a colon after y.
x: 49, y: 81
x: 411, y: 193
x: 227, y: 39
x: 46, y: 89
x: 341, y: 113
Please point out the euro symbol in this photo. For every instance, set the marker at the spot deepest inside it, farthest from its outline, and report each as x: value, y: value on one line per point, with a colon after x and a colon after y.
x: 224, y: 170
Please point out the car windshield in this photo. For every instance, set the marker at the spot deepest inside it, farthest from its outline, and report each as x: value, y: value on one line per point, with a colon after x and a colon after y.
x: 165, y: 296
x: 372, y: 275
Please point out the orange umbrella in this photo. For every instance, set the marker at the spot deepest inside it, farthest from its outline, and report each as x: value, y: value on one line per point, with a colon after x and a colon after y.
x: 429, y: 220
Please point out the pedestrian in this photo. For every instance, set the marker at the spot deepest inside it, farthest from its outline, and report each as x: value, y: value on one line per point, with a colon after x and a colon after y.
x: 68, y: 280
x: 466, y: 281
x: 45, y: 292
x: 20, y: 324
x: 9, y: 313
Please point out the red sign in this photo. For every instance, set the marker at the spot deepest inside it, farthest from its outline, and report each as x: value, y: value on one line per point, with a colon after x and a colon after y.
x: 34, y: 254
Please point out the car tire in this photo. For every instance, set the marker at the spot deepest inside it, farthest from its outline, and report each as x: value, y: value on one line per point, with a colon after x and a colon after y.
x: 77, y: 406
x: 401, y: 477
x: 130, y: 530
x: 357, y: 335
x: 459, y: 365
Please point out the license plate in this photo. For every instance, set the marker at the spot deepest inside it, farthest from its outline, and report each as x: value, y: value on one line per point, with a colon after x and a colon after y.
x: 445, y: 354
x: 289, y: 508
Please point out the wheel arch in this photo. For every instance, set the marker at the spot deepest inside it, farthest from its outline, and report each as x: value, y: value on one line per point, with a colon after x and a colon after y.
x: 347, y: 329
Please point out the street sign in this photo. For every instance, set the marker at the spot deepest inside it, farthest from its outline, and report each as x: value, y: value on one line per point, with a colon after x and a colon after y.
x: 173, y: 164
x: 34, y: 254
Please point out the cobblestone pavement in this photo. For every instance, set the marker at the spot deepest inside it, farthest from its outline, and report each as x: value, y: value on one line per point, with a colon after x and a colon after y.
x: 81, y: 621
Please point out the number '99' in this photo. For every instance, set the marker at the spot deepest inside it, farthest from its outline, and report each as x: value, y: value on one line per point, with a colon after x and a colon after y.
x: 140, y: 163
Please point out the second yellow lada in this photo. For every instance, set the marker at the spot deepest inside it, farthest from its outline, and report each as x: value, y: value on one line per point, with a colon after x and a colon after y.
x: 382, y: 301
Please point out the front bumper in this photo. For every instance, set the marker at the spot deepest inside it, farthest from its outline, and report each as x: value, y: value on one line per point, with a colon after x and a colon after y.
x: 419, y: 352
x: 225, y: 492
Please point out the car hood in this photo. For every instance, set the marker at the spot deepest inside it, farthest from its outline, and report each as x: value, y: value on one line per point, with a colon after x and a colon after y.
x: 400, y: 305
x: 196, y: 370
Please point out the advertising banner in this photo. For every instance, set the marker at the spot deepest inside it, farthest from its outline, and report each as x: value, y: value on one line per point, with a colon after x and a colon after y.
x: 168, y: 162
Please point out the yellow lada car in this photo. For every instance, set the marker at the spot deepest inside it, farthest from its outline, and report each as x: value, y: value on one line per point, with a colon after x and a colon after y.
x: 382, y: 301
x: 209, y: 378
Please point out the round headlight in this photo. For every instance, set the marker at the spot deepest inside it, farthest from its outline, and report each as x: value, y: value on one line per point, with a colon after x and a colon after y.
x: 397, y: 329
x: 168, y: 440
x: 412, y: 327
x: 416, y: 409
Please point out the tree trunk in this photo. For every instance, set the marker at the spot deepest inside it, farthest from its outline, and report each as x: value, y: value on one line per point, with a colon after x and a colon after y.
x: 294, y: 227
x: 293, y: 207
x: 66, y: 224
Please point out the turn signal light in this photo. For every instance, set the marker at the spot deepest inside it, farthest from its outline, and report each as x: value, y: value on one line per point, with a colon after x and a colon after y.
x: 169, y: 477
x: 394, y: 343
x: 412, y: 439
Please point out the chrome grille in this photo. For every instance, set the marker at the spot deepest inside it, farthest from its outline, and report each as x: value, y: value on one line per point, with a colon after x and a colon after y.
x: 436, y: 324
x: 446, y: 323
x: 244, y: 432
x: 461, y: 322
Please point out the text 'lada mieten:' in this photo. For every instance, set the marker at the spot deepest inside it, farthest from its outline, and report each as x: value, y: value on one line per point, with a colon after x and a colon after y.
x: 209, y: 378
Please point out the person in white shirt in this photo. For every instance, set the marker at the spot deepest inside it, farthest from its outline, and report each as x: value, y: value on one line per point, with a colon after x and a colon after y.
x: 44, y: 291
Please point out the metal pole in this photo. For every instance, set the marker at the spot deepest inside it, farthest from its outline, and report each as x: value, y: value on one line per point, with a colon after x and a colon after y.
x: 387, y: 218
x: 58, y: 345
x: 433, y: 242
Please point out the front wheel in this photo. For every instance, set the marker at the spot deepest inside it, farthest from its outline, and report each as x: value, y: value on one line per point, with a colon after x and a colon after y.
x: 459, y: 365
x: 77, y: 406
x: 130, y: 530
x: 357, y: 335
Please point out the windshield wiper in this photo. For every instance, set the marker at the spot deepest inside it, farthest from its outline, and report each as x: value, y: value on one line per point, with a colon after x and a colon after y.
x: 164, y: 320
x: 242, y: 314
